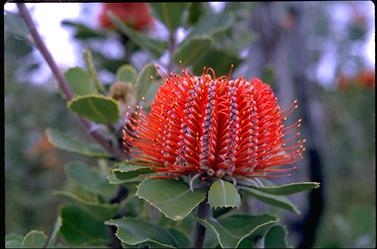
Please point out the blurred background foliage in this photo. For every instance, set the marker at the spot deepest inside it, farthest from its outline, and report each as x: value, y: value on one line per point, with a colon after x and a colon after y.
x: 342, y: 83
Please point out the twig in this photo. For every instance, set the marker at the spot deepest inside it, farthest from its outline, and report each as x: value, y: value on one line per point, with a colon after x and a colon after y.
x: 50, y: 241
x: 61, y: 82
x: 204, y: 211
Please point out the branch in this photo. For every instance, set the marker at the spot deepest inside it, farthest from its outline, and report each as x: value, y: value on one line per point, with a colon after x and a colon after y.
x: 199, y: 233
x: 61, y: 82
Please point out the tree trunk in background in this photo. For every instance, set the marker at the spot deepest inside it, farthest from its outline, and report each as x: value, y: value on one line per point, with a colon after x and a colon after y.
x: 281, y: 32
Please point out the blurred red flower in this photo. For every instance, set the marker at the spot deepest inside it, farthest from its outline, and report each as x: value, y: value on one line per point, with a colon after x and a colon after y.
x: 136, y: 15
x: 366, y: 78
x: 214, y: 127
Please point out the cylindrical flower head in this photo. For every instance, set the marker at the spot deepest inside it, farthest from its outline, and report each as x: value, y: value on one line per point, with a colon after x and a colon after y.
x: 136, y: 15
x: 213, y: 127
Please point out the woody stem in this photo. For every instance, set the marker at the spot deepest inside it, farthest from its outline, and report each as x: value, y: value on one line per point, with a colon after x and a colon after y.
x: 59, y: 77
x: 203, y: 211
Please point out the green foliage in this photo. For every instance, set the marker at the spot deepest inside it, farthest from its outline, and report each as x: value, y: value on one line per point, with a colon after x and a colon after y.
x: 155, y: 47
x: 273, y: 200
x: 100, y: 211
x: 79, y: 82
x: 127, y: 73
x: 145, y: 80
x: 13, y: 240
x: 196, y: 10
x: 92, y: 71
x: 134, y: 231
x: 276, y: 237
x: 211, y: 25
x: 219, y: 60
x: 223, y: 194
x: 231, y: 230
x: 212, y: 41
x: 192, y: 50
x: 125, y: 172
x: 89, y: 179
x: 65, y: 142
x: 181, y: 240
x: 80, y: 228
x: 100, y: 109
x: 82, y: 31
x: 34, y: 239
x: 16, y: 26
x: 171, y: 14
x: 172, y: 198
x: 289, y: 189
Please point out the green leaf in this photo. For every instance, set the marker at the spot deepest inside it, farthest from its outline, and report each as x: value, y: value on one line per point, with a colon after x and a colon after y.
x: 134, y: 231
x: 173, y: 198
x: 155, y: 47
x: 114, y: 180
x: 288, y: 189
x: 277, y: 201
x: 171, y: 14
x: 144, y: 80
x: 125, y: 171
x: 100, y: 109
x: 79, y: 82
x: 196, y: 10
x: 89, y: 179
x: 247, y: 243
x: 127, y: 73
x: 217, y: 59
x: 81, y: 228
x: 276, y: 237
x: 223, y: 194
x: 13, y: 240
x: 62, y: 141
x: 181, y: 240
x: 82, y: 31
x: 231, y: 230
x: 34, y: 239
x: 15, y: 25
x: 210, y: 25
x: 192, y: 50
x: 92, y: 71
x: 100, y: 211
x: 152, y: 91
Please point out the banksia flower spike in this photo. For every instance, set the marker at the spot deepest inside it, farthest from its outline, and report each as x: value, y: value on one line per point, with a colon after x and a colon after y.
x: 136, y: 15
x: 204, y: 126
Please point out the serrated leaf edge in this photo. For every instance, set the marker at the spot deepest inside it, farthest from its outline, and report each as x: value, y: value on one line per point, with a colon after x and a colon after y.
x: 181, y: 218
x: 317, y: 185
x: 242, y: 238
x: 108, y: 222
x: 294, y: 208
x: 225, y: 206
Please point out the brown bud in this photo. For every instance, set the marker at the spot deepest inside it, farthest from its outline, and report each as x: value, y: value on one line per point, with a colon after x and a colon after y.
x: 123, y: 92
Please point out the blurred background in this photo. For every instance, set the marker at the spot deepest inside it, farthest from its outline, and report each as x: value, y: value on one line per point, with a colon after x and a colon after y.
x: 322, y: 54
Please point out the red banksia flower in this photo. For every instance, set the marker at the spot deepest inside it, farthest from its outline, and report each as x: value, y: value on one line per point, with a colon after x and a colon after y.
x: 136, y: 15
x: 213, y: 127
